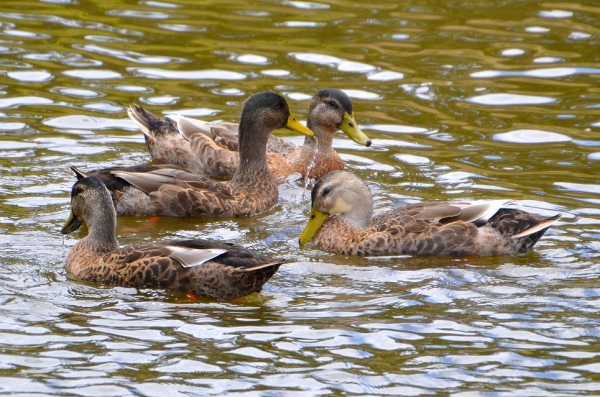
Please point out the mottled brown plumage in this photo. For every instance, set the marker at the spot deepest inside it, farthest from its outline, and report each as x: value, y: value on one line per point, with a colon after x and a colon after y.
x: 204, y: 267
x: 211, y: 149
x: 342, y: 221
x: 168, y: 190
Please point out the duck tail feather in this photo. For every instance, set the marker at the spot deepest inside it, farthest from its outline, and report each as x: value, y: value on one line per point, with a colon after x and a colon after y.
x: 539, y: 227
x: 139, y: 117
x: 78, y: 173
x: 261, y: 266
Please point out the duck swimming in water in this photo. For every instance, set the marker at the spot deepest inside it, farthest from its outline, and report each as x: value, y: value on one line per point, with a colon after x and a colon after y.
x: 211, y: 149
x: 342, y: 221
x: 203, y: 267
x: 169, y: 190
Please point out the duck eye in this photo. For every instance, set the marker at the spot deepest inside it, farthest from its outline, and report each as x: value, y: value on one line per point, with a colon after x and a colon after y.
x: 325, y: 191
x: 332, y: 103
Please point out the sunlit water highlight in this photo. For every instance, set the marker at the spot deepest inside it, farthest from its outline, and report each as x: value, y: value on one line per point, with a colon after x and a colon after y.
x: 462, y: 100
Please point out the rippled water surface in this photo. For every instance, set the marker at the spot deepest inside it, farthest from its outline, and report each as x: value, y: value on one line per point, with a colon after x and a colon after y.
x: 463, y: 99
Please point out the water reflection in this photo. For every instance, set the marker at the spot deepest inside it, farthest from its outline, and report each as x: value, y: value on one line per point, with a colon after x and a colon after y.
x: 465, y: 100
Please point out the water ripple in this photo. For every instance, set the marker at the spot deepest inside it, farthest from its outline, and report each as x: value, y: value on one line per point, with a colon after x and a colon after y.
x: 131, y: 56
x: 30, y: 76
x: 487, y: 105
x: 531, y: 137
x: 87, y: 122
x: 92, y: 74
x: 24, y: 101
x: 540, y: 73
x: 213, y: 74
x: 510, y: 99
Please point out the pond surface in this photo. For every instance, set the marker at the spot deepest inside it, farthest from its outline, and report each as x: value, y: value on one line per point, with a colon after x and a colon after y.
x: 463, y: 100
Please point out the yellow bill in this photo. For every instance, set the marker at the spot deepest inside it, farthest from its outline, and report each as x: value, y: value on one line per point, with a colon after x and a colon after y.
x: 350, y: 128
x: 72, y: 224
x: 315, y: 220
x: 294, y: 125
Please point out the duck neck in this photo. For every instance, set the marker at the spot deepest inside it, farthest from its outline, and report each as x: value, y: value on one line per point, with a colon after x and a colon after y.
x: 252, y: 151
x: 362, y: 214
x: 102, y: 230
x: 359, y: 205
x: 319, y: 145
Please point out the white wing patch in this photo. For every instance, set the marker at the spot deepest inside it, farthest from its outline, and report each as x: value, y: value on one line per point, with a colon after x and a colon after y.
x: 188, y: 127
x: 481, y: 211
x: 191, y: 257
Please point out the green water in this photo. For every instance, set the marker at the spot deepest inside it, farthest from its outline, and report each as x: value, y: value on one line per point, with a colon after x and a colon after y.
x: 469, y: 100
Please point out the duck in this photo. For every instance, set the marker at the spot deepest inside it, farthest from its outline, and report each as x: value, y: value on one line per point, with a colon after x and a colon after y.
x: 211, y: 149
x: 202, y: 267
x: 341, y: 221
x: 169, y: 190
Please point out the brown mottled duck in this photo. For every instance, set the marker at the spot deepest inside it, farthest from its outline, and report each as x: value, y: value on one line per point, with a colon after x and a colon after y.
x: 168, y: 190
x: 203, y: 267
x: 342, y: 221
x: 212, y: 148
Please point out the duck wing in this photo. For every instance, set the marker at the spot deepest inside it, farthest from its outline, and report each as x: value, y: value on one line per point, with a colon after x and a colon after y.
x: 205, y: 267
x: 165, y: 144
x: 165, y: 176
x: 460, y: 228
x: 226, y: 135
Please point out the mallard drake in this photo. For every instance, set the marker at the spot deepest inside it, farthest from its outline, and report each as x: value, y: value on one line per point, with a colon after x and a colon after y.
x: 203, y: 267
x: 341, y: 220
x: 211, y: 148
x: 171, y: 191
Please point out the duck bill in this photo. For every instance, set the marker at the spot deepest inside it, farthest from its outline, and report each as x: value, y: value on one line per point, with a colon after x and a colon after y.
x: 72, y: 224
x: 350, y: 128
x: 315, y: 220
x: 294, y: 125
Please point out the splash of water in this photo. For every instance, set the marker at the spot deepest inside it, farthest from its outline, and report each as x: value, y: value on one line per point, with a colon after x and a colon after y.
x: 311, y: 165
